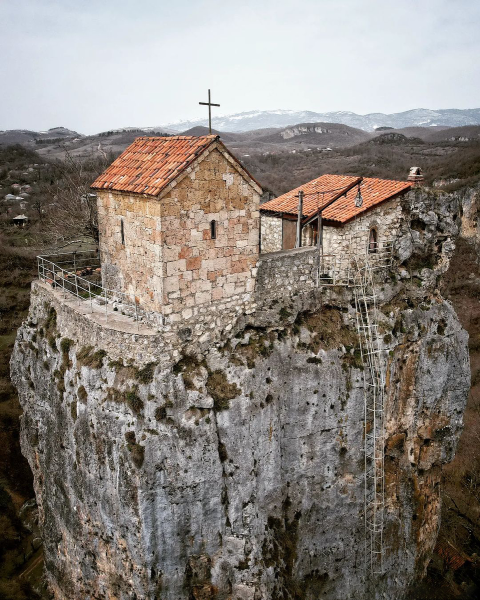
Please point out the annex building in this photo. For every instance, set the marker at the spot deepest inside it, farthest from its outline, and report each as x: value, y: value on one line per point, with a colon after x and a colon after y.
x: 346, y: 210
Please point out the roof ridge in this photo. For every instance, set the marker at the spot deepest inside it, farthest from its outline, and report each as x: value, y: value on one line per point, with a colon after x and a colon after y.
x: 176, y: 137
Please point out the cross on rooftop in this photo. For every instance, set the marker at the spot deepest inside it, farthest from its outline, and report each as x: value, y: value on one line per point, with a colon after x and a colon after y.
x: 209, y: 104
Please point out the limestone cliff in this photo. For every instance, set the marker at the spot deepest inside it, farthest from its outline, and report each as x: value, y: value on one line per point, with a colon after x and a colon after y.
x: 236, y: 470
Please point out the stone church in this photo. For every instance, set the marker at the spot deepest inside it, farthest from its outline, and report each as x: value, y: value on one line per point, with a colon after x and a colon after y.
x: 179, y: 226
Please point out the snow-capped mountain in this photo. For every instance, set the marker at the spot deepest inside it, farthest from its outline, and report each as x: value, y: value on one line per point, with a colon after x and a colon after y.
x: 251, y: 120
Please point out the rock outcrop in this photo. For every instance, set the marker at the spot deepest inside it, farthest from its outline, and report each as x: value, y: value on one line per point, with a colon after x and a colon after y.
x: 237, y: 470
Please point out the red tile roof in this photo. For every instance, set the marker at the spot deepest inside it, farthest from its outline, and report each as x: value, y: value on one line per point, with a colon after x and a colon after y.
x: 317, y: 193
x: 374, y: 191
x: 149, y: 164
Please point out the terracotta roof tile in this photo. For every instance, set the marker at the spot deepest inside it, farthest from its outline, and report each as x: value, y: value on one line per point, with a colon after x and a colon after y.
x: 318, y: 193
x: 149, y: 164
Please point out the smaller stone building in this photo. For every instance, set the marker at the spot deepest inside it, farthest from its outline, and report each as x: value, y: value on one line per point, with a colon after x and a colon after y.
x: 179, y: 226
x: 356, y: 212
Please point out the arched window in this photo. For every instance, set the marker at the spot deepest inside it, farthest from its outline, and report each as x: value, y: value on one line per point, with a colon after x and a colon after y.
x: 122, y: 232
x: 213, y: 230
x: 373, y: 240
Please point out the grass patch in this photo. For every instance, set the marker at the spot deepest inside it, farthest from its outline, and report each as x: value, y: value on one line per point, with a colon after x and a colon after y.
x: 221, y: 390
x: 82, y: 394
x: 134, y: 401
x: 87, y: 357
x: 259, y: 344
x: 327, y: 329
x: 145, y: 375
x: 189, y: 367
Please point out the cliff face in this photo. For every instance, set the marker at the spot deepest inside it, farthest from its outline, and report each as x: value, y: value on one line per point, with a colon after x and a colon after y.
x: 237, y: 472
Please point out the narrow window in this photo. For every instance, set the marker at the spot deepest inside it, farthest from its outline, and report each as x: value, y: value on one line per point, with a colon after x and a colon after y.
x: 373, y: 241
x: 213, y: 230
x: 122, y: 232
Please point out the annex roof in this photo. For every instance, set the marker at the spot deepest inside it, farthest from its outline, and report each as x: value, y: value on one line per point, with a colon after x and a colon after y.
x: 374, y: 191
x: 317, y: 193
x: 149, y: 164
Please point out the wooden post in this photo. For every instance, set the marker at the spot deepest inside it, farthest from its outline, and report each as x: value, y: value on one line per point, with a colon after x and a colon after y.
x: 299, y: 220
x: 320, y: 232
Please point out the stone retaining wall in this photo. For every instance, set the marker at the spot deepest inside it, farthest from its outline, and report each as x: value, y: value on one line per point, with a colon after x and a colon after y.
x: 283, y: 274
x: 279, y: 276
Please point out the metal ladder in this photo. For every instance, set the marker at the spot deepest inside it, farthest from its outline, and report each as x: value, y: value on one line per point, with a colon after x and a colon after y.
x: 374, y: 390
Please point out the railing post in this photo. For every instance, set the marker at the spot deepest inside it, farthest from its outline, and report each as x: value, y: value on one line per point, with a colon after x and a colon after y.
x: 90, y: 294
x: 76, y: 286
x: 136, y: 313
x: 106, y: 313
x: 63, y: 284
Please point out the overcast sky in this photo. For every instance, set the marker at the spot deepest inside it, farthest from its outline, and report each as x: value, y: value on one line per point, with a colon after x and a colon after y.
x: 93, y: 65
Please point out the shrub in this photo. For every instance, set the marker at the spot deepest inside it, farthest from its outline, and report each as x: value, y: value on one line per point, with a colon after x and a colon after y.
x: 82, y: 394
x: 221, y: 390
x: 87, y: 358
x: 160, y: 413
x: 134, y: 401
x: 65, y: 345
x: 145, y: 375
x: 137, y: 453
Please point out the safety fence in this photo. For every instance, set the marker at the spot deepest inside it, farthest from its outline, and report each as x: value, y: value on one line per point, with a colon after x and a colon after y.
x: 79, y: 275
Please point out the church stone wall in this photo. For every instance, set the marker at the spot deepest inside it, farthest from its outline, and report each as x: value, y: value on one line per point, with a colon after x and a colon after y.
x: 199, y: 270
x: 134, y: 267
x: 271, y: 233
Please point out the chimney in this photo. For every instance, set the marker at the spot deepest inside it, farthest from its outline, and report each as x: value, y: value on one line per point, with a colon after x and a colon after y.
x: 416, y: 176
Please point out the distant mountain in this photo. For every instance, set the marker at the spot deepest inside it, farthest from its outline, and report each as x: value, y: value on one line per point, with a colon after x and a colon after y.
x: 299, y: 137
x: 30, y: 139
x: 422, y: 117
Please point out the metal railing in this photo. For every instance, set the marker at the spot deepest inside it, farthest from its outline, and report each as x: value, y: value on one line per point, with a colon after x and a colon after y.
x: 79, y: 274
x: 333, y: 270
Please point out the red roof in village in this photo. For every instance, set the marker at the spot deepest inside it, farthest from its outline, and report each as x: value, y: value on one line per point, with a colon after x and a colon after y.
x: 149, y: 164
x: 319, y: 193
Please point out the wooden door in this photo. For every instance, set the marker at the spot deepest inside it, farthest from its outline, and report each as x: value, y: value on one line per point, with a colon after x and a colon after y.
x: 289, y: 234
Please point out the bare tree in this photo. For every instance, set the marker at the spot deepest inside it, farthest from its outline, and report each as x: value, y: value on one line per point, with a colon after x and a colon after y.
x: 74, y: 207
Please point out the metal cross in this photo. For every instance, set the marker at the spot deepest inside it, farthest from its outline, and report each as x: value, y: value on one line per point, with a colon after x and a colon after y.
x: 209, y: 104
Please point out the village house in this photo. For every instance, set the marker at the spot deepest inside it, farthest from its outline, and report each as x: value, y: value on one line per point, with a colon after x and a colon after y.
x: 20, y: 220
x: 351, y: 213
x: 179, y: 226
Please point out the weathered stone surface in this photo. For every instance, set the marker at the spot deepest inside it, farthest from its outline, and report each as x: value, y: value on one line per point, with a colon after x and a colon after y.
x: 266, y: 486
